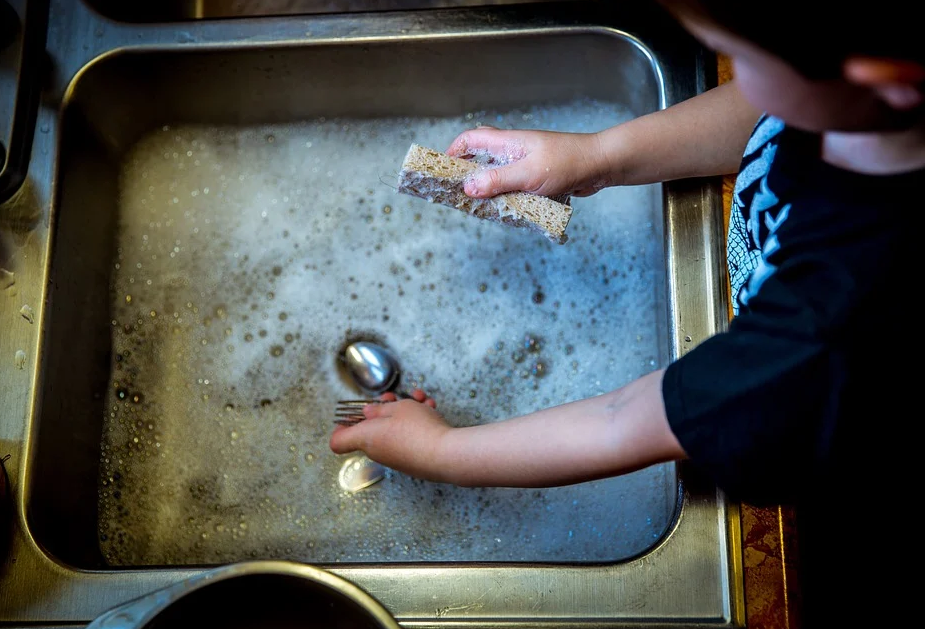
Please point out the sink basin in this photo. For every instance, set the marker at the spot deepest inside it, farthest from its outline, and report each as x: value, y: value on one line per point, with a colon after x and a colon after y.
x: 219, y: 248
x: 224, y: 221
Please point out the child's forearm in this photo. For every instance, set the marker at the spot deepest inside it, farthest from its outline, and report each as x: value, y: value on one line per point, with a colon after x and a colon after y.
x: 598, y: 437
x: 703, y: 136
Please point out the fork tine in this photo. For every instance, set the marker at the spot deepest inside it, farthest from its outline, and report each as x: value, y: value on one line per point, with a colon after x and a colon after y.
x: 350, y: 412
x: 401, y: 395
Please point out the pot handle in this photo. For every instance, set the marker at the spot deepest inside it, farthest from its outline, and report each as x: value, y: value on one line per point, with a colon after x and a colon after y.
x: 138, y: 612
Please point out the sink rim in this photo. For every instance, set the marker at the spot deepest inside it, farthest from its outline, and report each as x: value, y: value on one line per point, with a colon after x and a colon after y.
x: 702, y: 510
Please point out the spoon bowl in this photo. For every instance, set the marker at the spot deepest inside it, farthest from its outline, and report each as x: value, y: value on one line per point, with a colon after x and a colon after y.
x: 371, y: 366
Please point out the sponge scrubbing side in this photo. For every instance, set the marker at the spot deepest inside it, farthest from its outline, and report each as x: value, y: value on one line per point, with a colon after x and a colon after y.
x: 439, y: 178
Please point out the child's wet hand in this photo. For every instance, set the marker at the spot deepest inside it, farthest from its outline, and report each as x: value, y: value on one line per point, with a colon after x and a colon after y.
x: 404, y: 435
x: 417, y: 395
x: 542, y: 162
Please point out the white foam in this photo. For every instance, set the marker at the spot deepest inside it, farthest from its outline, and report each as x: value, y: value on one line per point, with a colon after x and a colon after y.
x: 234, y: 227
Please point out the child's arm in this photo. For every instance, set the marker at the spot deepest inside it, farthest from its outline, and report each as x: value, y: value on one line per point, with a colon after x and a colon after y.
x: 597, y: 437
x: 700, y: 137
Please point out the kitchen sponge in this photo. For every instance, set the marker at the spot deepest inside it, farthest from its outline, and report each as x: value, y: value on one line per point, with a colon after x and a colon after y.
x: 439, y: 178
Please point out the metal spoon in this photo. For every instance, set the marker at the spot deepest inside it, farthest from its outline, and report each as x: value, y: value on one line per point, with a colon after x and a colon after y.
x: 359, y: 472
x: 372, y: 367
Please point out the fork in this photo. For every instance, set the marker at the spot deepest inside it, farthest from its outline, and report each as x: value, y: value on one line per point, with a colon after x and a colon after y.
x: 350, y: 412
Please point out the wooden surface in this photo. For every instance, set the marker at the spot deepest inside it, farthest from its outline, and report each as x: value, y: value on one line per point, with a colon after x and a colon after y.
x: 768, y: 534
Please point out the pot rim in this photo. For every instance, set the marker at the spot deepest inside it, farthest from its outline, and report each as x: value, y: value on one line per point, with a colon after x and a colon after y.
x: 137, y: 613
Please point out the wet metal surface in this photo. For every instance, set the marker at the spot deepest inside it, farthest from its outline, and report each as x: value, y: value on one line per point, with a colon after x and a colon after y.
x: 358, y: 473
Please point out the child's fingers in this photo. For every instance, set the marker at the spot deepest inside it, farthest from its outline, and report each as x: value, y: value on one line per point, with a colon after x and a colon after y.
x: 372, y: 411
x: 459, y: 147
x: 494, y: 181
x: 507, y: 145
x: 419, y: 395
x: 346, y: 439
x: 388, y: 397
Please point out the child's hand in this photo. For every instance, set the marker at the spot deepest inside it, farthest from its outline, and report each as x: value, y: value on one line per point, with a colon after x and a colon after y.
x: 542, y: 162
x: 404, y: 435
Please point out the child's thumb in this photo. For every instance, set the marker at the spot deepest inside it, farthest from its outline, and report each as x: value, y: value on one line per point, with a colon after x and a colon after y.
x: 494, y: 181
x: 345, y: 440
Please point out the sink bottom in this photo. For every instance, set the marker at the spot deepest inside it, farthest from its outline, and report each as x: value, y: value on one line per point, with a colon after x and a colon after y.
x: 247, y: 256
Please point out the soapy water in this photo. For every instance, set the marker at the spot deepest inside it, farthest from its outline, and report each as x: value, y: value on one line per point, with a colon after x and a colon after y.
x: 248, y: 257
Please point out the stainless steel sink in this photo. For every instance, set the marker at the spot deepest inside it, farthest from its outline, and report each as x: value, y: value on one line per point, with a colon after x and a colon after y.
x: 221, y: 220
